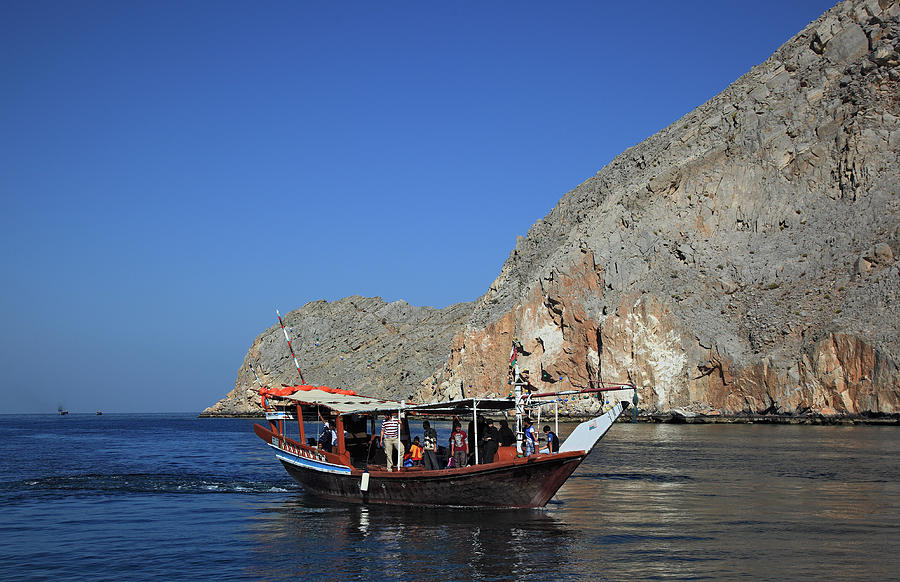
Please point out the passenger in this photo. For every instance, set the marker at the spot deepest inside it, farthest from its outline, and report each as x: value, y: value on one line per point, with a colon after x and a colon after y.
x: 490, y: 441
x: 476, y: 442
x: 390, y: 436
x: 552, y: 440
x: 374, y: 449
x: 507, y: 437
x: 430, y: 448
x: 459, y: 446
x: 405, y: 436
x: 326, y: 439
x: 530, y: 438
x: 481, y: 428
x: 415, y: 453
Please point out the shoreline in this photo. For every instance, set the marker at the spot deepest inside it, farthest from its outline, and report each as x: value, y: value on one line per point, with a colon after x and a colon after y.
x: 880, y: 419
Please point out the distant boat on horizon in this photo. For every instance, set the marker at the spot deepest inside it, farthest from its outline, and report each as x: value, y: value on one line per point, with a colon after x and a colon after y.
x: 99, y: 413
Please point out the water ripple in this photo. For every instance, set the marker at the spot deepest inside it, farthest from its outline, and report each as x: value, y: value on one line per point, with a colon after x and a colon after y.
x: 652, y: 477
x: 636, y: 538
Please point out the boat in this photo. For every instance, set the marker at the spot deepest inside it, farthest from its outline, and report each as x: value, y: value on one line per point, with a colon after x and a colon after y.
x: 353, y: 472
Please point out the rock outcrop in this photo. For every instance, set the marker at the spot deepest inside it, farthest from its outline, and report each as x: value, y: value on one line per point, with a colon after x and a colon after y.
x: 380, y: 349
x: 741, y: 260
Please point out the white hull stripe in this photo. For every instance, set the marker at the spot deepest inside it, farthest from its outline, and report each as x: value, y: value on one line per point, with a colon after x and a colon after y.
x: 309, y: 463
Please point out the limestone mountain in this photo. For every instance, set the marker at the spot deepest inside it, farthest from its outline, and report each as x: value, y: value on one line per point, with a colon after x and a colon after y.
x: 740, y: 260
x: 380, y: 349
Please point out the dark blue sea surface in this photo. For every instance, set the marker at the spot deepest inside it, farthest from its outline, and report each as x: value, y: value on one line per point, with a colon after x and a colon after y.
x: 140, y: 497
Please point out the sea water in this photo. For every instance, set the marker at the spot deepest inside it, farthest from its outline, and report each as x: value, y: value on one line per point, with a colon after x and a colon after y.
x: 173, y: 497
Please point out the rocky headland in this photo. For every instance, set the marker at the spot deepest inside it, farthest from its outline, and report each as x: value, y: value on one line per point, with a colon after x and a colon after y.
x: 740, y: 263
x: 377, y: 348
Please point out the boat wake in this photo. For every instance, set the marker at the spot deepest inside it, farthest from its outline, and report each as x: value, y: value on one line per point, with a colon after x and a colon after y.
x: 156, y: 483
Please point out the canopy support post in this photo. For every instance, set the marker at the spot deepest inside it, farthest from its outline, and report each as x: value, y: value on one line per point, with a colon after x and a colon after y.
x: 339, y: 427
x: 300, y: 426
x: 556, y: 418
x: 475, y: 424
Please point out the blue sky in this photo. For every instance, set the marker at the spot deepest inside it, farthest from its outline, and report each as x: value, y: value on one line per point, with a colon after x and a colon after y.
x: 172, y: 171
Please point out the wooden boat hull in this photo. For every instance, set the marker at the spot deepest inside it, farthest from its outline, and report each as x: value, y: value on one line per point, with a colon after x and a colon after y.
x: 508, y: 482
x: 529, y: 484
x: 521, y: 482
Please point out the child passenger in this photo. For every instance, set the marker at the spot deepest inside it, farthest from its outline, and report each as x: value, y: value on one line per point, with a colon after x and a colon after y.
x: 415, y: 452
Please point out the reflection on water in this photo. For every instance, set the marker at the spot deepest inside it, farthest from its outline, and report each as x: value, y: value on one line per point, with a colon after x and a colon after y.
x: 349, y: 541
x: 652, y: 501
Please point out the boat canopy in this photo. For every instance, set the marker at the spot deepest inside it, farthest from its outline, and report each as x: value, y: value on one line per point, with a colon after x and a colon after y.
x: 343, y: 403
x: 463, y: 406
x: 354, y: 404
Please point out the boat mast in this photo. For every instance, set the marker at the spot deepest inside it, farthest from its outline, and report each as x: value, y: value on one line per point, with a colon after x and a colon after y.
x: 288, y: 339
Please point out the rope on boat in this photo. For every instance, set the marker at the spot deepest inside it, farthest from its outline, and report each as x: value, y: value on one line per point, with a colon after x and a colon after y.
x: 255, y: 375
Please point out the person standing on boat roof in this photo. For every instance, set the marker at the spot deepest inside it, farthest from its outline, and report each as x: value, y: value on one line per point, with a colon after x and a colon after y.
x: 390, y: 437
x: 530, y: 438
x: 459, y: 445
x: 429, y: 455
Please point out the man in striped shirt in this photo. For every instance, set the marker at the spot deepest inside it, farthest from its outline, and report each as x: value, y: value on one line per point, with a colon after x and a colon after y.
x: 390, y: 436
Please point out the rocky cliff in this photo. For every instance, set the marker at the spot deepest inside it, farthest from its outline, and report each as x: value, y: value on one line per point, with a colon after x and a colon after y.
x: 740, y: 260
x: 380, y: 349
